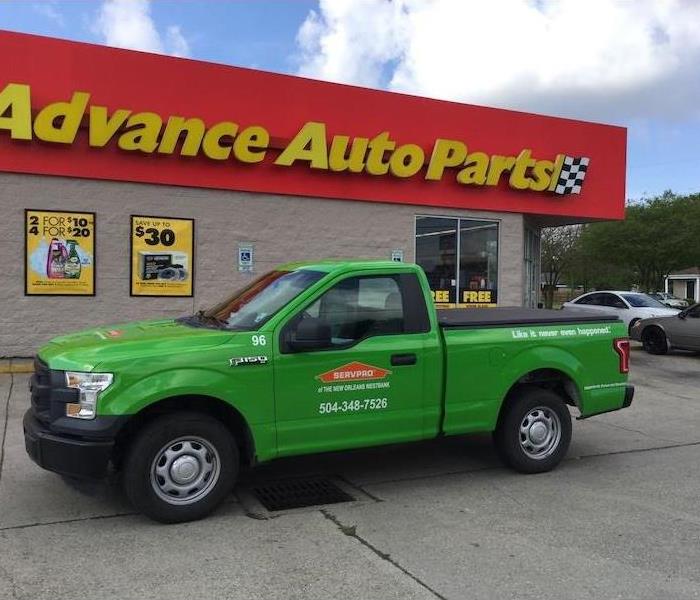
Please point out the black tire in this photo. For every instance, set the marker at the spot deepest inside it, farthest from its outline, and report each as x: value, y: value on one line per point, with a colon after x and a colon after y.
x: 521, y: 423
x: 186, y: 443
x: 654, y: 340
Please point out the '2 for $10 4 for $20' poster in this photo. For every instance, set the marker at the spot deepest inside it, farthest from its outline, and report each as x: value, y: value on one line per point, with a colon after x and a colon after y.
x: 59, y: 253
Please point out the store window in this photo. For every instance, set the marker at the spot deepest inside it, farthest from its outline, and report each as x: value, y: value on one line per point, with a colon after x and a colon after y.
x: 460, y: 258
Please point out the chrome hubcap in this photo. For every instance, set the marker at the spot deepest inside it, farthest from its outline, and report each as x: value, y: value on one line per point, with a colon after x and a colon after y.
x: 185, y: 470
x: 540, y: 432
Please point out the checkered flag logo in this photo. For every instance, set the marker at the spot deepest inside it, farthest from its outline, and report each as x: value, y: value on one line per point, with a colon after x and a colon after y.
x: 573, y: 172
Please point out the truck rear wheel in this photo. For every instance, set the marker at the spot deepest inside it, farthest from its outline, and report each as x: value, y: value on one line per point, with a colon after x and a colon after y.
x: 534, y: 431
x: 180, y: 467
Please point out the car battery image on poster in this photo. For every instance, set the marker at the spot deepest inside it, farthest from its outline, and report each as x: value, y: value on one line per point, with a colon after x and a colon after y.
x: 162, y: 256
x: 59, y: 253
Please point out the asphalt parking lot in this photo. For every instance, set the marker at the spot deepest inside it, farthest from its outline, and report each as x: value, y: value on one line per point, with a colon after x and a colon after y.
x: 620, y: 518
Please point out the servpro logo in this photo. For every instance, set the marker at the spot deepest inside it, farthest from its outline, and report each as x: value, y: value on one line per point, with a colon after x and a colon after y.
x: 313, y: 145
x: 354, y: 371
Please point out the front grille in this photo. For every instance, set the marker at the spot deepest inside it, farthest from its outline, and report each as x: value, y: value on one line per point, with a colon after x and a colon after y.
x: 49, y: 393
x: 40, y: 386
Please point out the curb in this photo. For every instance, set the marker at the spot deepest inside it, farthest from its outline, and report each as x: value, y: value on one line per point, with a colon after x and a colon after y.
x: 16, y: 365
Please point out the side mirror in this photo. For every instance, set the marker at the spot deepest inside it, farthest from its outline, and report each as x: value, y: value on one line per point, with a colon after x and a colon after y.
x: 683, y: 314
x: 311, y: 334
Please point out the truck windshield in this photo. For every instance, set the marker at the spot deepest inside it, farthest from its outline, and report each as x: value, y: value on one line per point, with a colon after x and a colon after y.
x: 248, y: 309
x: 643, y: 301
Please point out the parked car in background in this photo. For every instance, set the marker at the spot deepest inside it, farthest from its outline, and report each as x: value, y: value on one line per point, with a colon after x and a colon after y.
x: 660, y: 334
x: 628, y: 306
x: 670, y: 300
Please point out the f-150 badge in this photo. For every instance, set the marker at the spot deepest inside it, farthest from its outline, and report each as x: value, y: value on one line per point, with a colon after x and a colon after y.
x: 241, y: 361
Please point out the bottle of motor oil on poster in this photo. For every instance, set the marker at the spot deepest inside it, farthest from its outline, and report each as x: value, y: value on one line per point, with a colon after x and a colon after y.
x: 72, y: 268
x: 56, y: 260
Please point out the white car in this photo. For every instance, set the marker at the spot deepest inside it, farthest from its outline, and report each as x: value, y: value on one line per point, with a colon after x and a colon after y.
x: 670, y: 300
x: 629, y: 306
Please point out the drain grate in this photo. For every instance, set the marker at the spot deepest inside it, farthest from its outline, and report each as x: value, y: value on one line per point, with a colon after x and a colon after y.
x: 297, y: 493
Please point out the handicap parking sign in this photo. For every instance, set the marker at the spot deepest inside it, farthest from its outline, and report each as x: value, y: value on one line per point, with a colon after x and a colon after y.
x: 245, y: 257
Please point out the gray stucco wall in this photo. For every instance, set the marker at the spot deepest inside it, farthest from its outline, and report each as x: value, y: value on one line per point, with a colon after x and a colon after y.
x: 283, y: 228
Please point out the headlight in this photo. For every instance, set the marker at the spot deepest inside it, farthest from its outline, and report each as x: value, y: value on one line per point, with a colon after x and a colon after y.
x: 90, y: 386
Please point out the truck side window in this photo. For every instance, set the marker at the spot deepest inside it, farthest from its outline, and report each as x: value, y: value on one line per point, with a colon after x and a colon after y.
x: 365, y: 306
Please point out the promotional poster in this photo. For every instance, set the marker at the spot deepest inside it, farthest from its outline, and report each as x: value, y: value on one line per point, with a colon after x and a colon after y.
x: 59, y: 253
x: 162, y: 256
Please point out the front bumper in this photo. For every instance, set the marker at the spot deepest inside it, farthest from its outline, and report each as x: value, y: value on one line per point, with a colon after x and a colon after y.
x: 74, y: 447
x: 636, y: 331
x: 63, y: 454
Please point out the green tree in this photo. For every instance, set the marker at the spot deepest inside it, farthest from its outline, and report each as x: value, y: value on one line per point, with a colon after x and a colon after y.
x: 557, y: 251
x: 657, y: 236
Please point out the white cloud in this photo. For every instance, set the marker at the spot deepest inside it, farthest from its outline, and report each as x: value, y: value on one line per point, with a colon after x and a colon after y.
x: 49, y: 11
x: 129, y: 24
x: 608, y: 59
x: 176, y: 42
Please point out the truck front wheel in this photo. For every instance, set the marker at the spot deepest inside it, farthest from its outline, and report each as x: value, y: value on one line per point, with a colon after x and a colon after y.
x: 534, y: 431
x: 180, y: 467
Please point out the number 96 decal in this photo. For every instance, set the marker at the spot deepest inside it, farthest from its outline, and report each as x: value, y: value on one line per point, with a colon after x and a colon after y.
x: 349, y: 406
x: 259, y: 340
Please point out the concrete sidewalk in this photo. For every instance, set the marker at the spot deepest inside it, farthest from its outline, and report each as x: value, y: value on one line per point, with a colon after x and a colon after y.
x: 618, y: 519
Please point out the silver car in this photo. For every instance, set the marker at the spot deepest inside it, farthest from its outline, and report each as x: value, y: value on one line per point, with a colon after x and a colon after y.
x: 670, y: 300
x: 659, y: 334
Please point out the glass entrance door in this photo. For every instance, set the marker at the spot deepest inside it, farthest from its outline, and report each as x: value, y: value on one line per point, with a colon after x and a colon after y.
x: 460, y: 258
x: 436, y: 252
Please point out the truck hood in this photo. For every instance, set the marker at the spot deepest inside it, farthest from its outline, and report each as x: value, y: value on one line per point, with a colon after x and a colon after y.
x: 84, y: 350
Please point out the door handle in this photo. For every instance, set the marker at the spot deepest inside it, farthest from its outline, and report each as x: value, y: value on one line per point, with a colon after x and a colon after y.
x: 398, y: 360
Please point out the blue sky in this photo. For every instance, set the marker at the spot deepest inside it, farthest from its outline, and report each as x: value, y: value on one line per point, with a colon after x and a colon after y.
x: 635, y: 64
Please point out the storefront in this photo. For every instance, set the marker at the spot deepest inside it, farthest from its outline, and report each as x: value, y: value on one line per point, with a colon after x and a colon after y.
x: 135, y: 185
x: 684, y: 284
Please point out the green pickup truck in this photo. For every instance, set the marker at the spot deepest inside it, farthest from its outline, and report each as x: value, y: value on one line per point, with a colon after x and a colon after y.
x: 314, y: 357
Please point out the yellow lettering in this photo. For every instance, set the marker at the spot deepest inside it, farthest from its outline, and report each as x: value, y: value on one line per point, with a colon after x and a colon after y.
x: 338, y: 159
x: 143, y: 132
x: 446, y: 153
x: 251, y: 144
x: 58, y: 122
x: 499, y: 165
x: 524, y: 162
x: 174, y: 128
x: 556, y: 171
x: 212, y: 140
x: 476, y: 167
x: 102, y: 127
x: 378, y: 146
x: 16, y: 99
x: 309, y: 144
x: 407, y: 160
x: 441, y: 295
x: 540, y: 175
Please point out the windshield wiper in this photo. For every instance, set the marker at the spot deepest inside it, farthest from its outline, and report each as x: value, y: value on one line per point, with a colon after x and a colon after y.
x: 200, y: 318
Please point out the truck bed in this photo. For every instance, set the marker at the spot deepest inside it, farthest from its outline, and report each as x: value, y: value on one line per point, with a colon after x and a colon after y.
x: 514, y: 315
